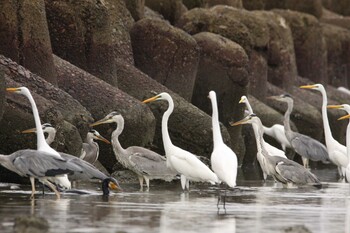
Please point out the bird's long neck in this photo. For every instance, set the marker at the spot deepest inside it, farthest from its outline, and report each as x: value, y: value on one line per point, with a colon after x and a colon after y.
x: 165, y: 132
x: 259, y: 136
x: 51, y: 137
x: 286, y: 121
x: 249, y: 107
x: 215, y: 122
x: 327, y: 128
x: 41, y: 142
x: 115, y: 137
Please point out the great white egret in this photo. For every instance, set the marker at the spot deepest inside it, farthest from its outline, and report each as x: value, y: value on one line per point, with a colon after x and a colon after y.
x: 336, y: 151
x: 271, y: 149
x: 286, y: 171
x: 185, y: 163
x: 78, y: 168
x: 305, y: 146
x: 90, y: 149
x: 223, y: 159
x: 345, y: 107
x: 145, y: 163
x: 276, y: 131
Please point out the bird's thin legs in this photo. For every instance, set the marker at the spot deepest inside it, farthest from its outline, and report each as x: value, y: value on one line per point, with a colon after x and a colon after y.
x: 147, y: 183
x: 305, y: 162
x: 53, y: 188
x: 141, y: 183
x: 32, y: 182
x: 188, y: 184
x: 183, y: 182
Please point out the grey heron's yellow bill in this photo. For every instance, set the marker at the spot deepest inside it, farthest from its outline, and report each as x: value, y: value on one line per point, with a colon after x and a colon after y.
x: 241, y: 122
x: 99, y: 137
x: 100, y: 122
x: 32, y: 130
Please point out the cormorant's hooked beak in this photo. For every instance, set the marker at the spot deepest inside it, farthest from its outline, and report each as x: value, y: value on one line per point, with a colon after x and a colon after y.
x: 99, y: 137
x: 154, y: 98
x: 32, y: 130
x: 12, y: 89
x: 344, y: 117
x: 308, y: 86
x: 335, y: 106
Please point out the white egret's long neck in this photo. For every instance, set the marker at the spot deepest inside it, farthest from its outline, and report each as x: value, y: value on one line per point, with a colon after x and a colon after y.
x: 327, y: 128
x: 115, y: 136
x: 41, y: 142
x: 215, y: 122
x: 286, y: 120
x: 165, y: 133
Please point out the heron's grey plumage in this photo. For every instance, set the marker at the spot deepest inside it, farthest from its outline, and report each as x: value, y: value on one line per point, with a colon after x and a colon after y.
x: 304, y: 145
x: 283, y: 170
x: 145, y: 163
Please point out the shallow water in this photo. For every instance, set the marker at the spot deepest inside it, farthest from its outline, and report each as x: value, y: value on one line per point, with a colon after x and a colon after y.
x: 255, y: 207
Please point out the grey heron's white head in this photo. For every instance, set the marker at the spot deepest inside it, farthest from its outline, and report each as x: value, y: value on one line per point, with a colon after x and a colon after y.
x: 250, y: 119
x: 282, y: 98
x: 96, y: 135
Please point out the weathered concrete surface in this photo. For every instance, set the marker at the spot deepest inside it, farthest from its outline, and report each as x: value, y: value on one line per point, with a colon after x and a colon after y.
x: 310, y: 47
x: 170, y: 57
x: 223, y: 67
x: 25, y: 37
x: 92, y: 35
x: 170, y: 9
x: 100, y: 98
x: 209, y: 3
x: 136, y: 8
x: 339, y: 6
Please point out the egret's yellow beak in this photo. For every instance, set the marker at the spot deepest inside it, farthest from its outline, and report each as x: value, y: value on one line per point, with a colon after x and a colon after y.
x: 154, y: 98
x: 12, y: 89
x: 335, y: 106
x: 241, y: 101
x: 344, y: 117
x: 308, y: 86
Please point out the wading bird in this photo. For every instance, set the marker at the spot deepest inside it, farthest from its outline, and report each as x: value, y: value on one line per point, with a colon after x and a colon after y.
x: 147, y: 164
x: 271, y: 149
x: 223, y: 159
x: 336, y: 151
x: 276, y: 131
x: 90, y: 149
x: 185, y: 163
x: 286, y: 171
x: 305, y: 146
x: 78, y: 168
x: 345, y: 107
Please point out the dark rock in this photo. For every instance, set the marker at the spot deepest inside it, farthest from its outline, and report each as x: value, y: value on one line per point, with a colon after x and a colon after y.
x: 297, y: 229
x: 92, y: 35
x: 31, y: 224
x: 100, y: 98
x: 310, y: 47
x: 258, y: 75
x: 170, y: 57
x: 223, y: 67
x: 282, y: 70
x: 209, y: 3
x: 151, y: 14
x: 25, y: 38
x: 339, y: 6
x: 189, y: 127
x: 136, y: 8
x: 2, y: 92
x: 313, y: 7
x: 170, y: 9
x: 338, y: 54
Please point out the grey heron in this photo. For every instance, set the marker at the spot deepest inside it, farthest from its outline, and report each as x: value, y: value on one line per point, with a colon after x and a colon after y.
x: 336, y: 151
x: 61, y: 179
x: 271, y: 149
x: 276, y: 131
x: 223, y: 159
x: 184, y: 162
x: 286, y: 171
x: 345, y: 107
x: 90, y: 149
x: 305, y: 146
x: 147, y: 164
x: 79, y: 169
